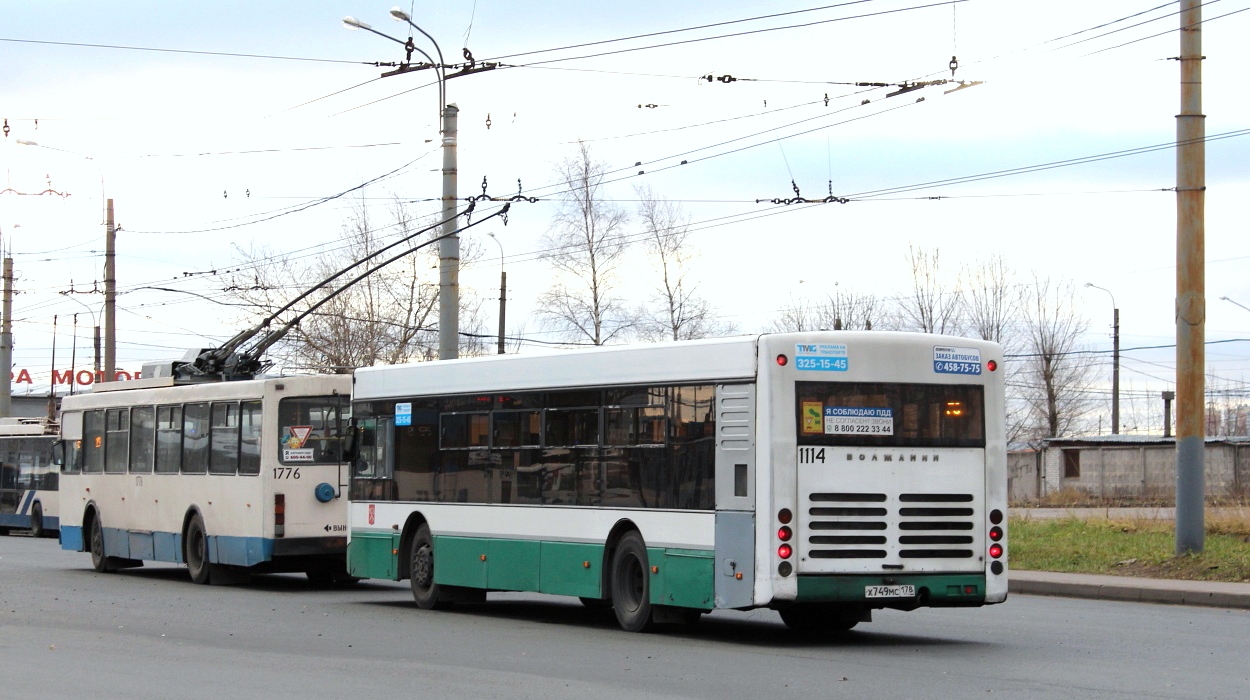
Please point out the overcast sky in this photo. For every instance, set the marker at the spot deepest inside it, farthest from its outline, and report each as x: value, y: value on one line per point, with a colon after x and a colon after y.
x: 186, y: 142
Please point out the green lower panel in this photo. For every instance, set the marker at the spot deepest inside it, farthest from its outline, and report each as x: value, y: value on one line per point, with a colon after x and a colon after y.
x: 939, y: 590
x: 684, y: 577
x: 512, y: 565
x: 572, y: 569
x: 372, y: 555
x: 460, y: 561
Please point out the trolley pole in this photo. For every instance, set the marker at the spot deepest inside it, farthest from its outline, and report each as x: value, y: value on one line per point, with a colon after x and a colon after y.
x: 1190, y: 286
x: 110, y: 296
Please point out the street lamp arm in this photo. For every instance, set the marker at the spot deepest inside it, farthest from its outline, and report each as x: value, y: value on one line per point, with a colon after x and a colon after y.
x: 353, y: 23
x: 1231, y: 301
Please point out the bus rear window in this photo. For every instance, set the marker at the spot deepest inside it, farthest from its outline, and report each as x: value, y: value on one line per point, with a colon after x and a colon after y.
x: 311, y: 429
x: 870, y: 414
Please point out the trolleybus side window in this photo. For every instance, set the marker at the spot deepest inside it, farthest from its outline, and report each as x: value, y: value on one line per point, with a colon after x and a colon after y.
x: 224, y: 444
x: 249, y: 437
x: 168, y: 439
x: 93, y: 442
x: 116, y: 440
x: 142, y: 439
x: 195, y: 422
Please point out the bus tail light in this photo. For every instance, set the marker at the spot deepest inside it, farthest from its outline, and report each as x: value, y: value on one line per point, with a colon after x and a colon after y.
x: 996, y: 550
x: 784, y: 533
x: 991, y: 365
x: 279, y: 515
x: 782, y: 360
x: 784, y: 516
x: 996, y: 533
x: 784, y: 551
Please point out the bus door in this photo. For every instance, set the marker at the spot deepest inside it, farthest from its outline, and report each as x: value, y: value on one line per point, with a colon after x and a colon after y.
x: 735, y: 495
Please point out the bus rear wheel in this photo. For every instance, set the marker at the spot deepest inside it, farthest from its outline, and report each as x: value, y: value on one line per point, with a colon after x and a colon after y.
x: 631, y: 585
x: 820, y: 619
x: 197, y: 551
x: 429, y: 595
x: 36, y: 520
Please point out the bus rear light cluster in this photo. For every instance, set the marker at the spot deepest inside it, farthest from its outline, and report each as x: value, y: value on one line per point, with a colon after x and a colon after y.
x: 784, y: 534
x: 279, y: 515
x: 996, y: 534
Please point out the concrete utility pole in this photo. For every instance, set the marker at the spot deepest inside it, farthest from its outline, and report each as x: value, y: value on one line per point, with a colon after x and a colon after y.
x: 1115, y: 362
x: 503, y: 292
x: 110, y: 296
x: 6, y: 343
x: 1190, y: 286
x: 449, y: 247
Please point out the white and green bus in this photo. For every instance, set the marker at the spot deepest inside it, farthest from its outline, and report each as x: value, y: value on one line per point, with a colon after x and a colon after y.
x: 823, y: 475
x: 228, y: 477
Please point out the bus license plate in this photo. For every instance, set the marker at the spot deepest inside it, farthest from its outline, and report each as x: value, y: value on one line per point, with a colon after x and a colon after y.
x: 889, y: 591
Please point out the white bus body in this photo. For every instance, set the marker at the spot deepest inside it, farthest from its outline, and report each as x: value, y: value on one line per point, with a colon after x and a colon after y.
x: 28, y: 476
x: 847, y: 471
x: 227, y: 477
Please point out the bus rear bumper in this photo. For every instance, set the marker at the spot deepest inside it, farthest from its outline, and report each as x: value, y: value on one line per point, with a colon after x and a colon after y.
x: 930, y: 590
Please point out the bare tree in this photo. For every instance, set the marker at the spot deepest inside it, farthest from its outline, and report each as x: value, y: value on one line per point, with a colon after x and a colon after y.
x: 587, y: 247
x: 991, y: 299
x: 844, y: 309
x: 1056, y: 372
x: 676, y: 311
x: 933, y: 306
x: 383, y: 319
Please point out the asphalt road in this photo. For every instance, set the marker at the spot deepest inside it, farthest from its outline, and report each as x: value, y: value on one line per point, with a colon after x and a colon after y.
x: 67, y: 632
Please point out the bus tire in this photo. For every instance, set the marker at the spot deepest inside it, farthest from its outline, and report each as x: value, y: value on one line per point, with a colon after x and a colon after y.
x: 197, y: 551
x: 819, y: 619
x: 427, y: 594
x: 36, y: 520
x: 100, y: 561
x: 631, y: 584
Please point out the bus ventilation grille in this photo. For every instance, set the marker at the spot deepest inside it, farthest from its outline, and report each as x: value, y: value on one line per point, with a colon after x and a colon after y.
x: 935, y: 525
x: 847, y: 526
x: 854, y: 526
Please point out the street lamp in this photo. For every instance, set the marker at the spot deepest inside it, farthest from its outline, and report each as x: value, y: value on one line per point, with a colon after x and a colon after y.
x: 449, y: 245
x: 1115, y: 371
x: 96, y: 368
x: 503, y: 287
x: 1247, y: 308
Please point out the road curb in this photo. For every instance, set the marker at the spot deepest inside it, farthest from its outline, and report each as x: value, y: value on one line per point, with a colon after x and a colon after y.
x: 1141, y: 590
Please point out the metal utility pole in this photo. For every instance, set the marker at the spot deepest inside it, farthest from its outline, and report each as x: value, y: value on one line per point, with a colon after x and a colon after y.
x: 1190, y: 285
x: 6, y: 343
x: 52, y: 376
x: 110, y: 297
x: 1115, y: 374
x: 449, y: 247
x: 503, y: 292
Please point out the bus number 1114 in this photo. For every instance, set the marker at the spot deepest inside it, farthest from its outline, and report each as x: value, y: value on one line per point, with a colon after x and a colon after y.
x: 811, y: 455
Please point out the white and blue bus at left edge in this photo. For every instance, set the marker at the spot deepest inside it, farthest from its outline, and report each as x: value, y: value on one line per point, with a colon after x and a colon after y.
x: 28, y: 476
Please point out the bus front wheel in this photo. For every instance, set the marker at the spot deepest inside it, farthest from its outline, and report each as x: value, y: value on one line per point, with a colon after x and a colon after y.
x: 631, y: 585
x: 101, y: 562
x: 197, y: 551
x: 429, y: 595
x: 36, y: 521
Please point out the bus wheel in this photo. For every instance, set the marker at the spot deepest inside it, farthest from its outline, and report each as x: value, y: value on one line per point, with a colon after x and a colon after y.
x: 36, y: 520
x: 99, y: 561
x: 631, y: 586
x: 197, y: 551
x: 819, y: 619
x: 427, y: 593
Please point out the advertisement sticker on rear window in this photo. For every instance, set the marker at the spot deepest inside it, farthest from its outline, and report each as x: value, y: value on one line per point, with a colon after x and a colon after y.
x: 948, y: 360
x: 826, y: 357
x: 403, y: 414
x: 855, y: 420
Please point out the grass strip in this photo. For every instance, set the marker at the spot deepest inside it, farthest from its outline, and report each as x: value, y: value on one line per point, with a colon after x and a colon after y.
x: 1138, y: 547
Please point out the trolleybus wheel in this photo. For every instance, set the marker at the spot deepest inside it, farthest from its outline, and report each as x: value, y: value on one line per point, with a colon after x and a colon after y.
x: 197, y: 551
x: 428, y: 594
x: 36, y: 520
x: 631, y: 585
x: 99, y: 561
